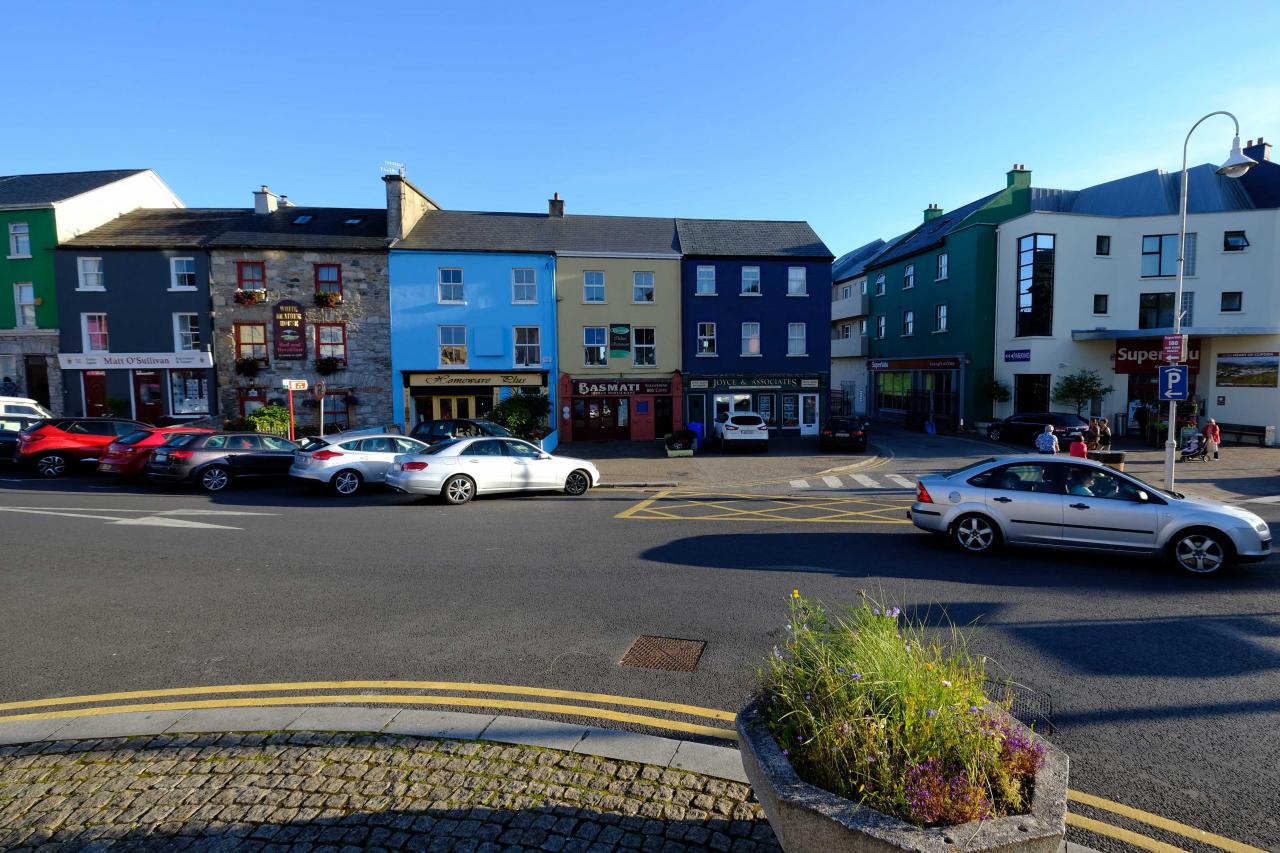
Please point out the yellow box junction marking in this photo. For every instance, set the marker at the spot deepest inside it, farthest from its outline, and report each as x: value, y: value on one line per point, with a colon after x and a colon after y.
x: 1203, y: 836
x: 674, y: 505
x: 1125, y: 835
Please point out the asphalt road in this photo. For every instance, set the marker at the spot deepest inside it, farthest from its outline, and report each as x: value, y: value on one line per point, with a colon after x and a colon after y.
x: 1164, y: 688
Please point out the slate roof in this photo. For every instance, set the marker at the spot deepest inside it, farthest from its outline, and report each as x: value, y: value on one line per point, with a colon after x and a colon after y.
x: 478, y: 231
x: 159, y: 228
x: 928, y: 234
x: 17, y: 190
x: 852, y: 264
x: 615, y: 234
x: 750, y: 238
x: 1152, y: 193
x: 327, y: 229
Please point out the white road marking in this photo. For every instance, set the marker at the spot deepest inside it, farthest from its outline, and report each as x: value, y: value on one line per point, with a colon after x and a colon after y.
x: 148, y: 520
x: 142, y: 511
x: 864, y: 480
x: 900, y: 480
x: 799, y: 484
x: 833, y: 482
x: 1270, y: 499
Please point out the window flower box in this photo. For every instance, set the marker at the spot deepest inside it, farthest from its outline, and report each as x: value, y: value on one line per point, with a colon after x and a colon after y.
x: 328, y: 299
x: 248, y: 366
x: 328, y: 365
x: 250, y: 297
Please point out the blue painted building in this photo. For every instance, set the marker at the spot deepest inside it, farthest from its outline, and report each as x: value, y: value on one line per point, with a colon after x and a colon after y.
x: 472, y: 315
x: 756, y: 320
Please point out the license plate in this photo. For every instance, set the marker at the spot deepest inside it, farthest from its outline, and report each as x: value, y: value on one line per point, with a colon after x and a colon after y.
x: 842, y: 435
x: 106, y: 466
x: 160, y: 457
x: 303, y: 461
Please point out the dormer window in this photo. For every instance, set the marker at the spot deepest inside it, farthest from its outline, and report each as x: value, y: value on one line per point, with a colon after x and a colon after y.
x: 355, y: 220
x: 302, y: 220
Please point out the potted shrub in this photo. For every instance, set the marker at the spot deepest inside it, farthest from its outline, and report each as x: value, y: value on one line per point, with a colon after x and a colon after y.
x: 250, y: 297
x: 868, y: 735
x: 680, y: 442
x: 328, y: 299
x: 328, y: 365
x: 248, y: 366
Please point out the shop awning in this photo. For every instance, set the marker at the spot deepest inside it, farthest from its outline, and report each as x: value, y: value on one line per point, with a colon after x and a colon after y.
x: 1194, y: 331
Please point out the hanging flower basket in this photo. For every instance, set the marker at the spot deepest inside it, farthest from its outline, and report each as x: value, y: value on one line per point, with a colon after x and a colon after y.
x: 328, y: 299
x: 248, y: 366
x: 326, y: 366
x: 250, y: 297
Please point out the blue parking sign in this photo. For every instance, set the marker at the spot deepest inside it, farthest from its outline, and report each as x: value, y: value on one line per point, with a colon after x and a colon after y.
x: 1174, y: 384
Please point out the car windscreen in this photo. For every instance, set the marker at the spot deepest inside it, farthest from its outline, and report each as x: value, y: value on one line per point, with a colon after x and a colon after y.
x: 439, y: 448
x: 746, y: 420
x: 844, y: 423
x: 491, y: 428
x: 35, y: 426
x: 134, y: 437
x: 969, y: 467
x: 1068, y: 420
x: 312, y: 442
x: 182, y: 440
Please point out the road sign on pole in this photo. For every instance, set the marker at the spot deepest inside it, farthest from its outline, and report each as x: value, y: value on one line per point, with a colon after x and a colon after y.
x: 295, y: 384
x: 1174, y: 384
x: 1175, y: 348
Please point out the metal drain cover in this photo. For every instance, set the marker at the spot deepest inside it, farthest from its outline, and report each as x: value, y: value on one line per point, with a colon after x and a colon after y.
x: 669, y: 653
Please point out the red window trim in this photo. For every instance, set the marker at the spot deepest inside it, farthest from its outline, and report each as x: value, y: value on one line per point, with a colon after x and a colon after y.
x: 238, y: 326
x: 240, y: 279
x: 316, y: 273
x: 343, y: 326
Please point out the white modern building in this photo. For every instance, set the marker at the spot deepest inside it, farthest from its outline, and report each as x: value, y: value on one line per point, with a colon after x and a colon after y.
x: 850, y: 306
x: 1087, y: 280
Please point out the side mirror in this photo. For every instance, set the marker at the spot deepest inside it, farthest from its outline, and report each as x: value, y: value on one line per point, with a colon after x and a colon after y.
x: 1143, y: 497
x: 544, y: 455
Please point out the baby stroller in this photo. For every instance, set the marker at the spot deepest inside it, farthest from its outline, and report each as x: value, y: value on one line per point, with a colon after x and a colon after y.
x: 1197, y: 448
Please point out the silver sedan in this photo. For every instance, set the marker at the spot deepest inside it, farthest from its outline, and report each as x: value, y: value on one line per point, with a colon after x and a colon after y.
x: 460, y: 469
x: 1057, y: 502
x: 346, y: 461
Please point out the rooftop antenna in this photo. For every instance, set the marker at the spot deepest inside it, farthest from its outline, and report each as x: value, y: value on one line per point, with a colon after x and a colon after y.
x: 391, y: 167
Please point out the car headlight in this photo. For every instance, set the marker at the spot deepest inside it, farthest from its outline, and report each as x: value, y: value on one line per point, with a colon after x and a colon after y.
x: 1261, y: 526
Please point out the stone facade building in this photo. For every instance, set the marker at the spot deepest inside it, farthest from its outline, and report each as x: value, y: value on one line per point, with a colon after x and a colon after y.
x: 303, y: 293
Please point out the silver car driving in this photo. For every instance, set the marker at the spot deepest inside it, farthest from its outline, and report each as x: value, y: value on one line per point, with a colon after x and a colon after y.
x: 347, y: 461
x: 1058, y: 502
x: 461, y: 468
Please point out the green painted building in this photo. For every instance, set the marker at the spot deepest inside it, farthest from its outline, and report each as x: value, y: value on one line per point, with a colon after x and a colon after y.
x: 931, y: 317
x: 37, y: 212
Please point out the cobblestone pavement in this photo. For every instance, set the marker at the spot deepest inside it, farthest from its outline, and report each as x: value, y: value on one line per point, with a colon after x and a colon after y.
x: 342, y: 792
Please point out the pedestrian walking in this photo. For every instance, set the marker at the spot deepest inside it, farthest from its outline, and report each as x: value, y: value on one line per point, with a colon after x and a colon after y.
x: 1213, y: 438
x: 1047, y: 442
x: 8, y: 388
x: 1078, y: 448
x: 1104, y: 435
x: 1090, y: 436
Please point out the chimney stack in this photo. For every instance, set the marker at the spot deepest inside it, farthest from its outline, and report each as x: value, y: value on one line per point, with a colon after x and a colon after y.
x: 284, y: 202
x: 555, y: 206
x: 406, y: 205
x: 1260, y: 150
x: 933, y: 211
x: 264, y: 201
x: 1018, y: 176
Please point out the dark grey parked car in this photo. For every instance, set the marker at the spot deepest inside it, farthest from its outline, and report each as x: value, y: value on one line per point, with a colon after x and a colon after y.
x: 217, y: 459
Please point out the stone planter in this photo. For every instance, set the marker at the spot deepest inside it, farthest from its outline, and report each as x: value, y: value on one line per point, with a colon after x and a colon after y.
x: 686, y: 452
x: 808, y: 819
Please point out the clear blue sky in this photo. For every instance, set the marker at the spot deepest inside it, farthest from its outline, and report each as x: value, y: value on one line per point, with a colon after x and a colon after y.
x: 853, y: 116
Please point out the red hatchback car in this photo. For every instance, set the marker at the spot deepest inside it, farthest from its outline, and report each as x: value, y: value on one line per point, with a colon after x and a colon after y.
x: 54, y: 446
x: 128, y: 455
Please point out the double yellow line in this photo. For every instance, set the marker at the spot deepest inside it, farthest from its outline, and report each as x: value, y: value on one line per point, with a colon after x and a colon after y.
x: 569, y: 703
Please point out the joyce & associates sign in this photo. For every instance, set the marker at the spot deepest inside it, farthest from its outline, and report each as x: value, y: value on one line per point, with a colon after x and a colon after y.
x: 100, y: 360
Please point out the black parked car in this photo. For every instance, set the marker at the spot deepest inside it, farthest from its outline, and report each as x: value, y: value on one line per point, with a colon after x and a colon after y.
x: 434, y: 432
x: 843, y: 432
x: 10, y: 426
x: 1023, y: 429
x: 215, y: 460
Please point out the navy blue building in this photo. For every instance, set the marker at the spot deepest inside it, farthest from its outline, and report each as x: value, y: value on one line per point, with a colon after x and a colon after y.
x: 756, y: 321
x: 134, y: 315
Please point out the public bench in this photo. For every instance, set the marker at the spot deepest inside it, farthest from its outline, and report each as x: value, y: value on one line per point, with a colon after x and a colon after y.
x: 1242, y: 432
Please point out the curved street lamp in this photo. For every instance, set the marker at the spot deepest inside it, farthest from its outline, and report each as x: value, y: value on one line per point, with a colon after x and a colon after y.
x: 1236, y: 165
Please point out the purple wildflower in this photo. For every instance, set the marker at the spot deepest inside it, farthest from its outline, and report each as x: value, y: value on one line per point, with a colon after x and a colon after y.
x: 855, y: 675
x: 894, y: 613
x: 974, y: 709
x: 875, y: 611
x: 840, y: 670
x: 931, y: 713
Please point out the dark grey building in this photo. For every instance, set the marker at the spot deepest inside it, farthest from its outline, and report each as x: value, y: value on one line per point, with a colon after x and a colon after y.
x: 134, y: 314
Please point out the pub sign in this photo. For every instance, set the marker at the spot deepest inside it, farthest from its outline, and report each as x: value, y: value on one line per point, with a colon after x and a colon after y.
x: 290, y: 330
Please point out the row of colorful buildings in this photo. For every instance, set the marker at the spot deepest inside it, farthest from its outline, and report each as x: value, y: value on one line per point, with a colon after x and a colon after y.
x: 1007, y: 294
x: 126, y: 301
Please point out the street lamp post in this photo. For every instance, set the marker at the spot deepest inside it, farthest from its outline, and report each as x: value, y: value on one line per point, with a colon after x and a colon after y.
x: 1235, y: 166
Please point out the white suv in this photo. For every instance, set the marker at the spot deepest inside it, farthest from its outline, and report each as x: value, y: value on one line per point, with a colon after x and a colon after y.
x: 742, y: 429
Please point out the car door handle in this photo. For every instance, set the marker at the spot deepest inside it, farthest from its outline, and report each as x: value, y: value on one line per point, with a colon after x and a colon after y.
x: 1003, y: 500
x: 1078, y: 506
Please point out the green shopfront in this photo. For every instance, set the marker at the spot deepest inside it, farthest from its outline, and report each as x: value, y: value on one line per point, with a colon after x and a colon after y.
x: 916, y: 391
x: 793, y: 403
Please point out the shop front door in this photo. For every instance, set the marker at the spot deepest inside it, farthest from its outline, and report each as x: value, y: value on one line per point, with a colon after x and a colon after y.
x: 662, y: 421
x: 453, y: 407
x: 148, y: 396
x: 808, y: 414
x: 601, y: 419
x: 37, y: 370
x: 95, y: 392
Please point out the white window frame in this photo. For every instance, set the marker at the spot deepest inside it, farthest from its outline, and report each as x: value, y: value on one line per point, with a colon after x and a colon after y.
x: 706, y: 332
x: 19, y: 305
x: 179, y: 331
x: 587, y: 286
x: 460, y: 284
x: 759, y: 291
x: 880, y: 284
x: 637, y: 287
x: 711, y: 277
x: 84, y: 331
x: 746, y: 338
x: 802, y: 338
x: 534, y: 348
x: 603, y: 347
x: 908, y: 323
x: 515, y: 285
x: 635, y: 346
x: 941, y: 318
x: 82, y: 275
x: 19, y: 230
x: 173, y: 275
x: 803, y: 279
x: 909, y: 277
x: 846, y: 291
x: 466, y: 356
x: 882, y: 327
x: 943, y: 266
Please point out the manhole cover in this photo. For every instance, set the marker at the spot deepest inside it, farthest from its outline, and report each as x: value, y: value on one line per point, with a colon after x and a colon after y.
x: 667, y: 653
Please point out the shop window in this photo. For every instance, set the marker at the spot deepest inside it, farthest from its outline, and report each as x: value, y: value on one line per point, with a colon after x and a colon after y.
x: 595, y: 349
x: 331, y: 341
x: 189, y: 390
x: 251, y: 275
x: 644, y: 351
x: 528, y: 347
x: 892, y: 390
x: 764, y: 407
x: 790, y: 411
x: 329, y: 278
x: 1035, y: 285
x: 251, y: 341
x: 706, y: 339
x: 453, y: 346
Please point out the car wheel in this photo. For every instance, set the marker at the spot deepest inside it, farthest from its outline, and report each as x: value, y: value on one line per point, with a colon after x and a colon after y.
x: 976, y: 534
x: 994, y: 433
x: 458, y: 490
x: 1200, y: 552
x: 215, y: 478
x: 346, y: 482
x: 577, y: 483
x: 52, y: 465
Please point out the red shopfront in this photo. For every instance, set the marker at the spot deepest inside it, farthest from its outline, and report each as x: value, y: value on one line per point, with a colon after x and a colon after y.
x: 1140, y: 359
x: 593, y: 408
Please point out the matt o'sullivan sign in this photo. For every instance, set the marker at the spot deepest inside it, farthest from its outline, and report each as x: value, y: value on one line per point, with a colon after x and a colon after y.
x: 100, y: 360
